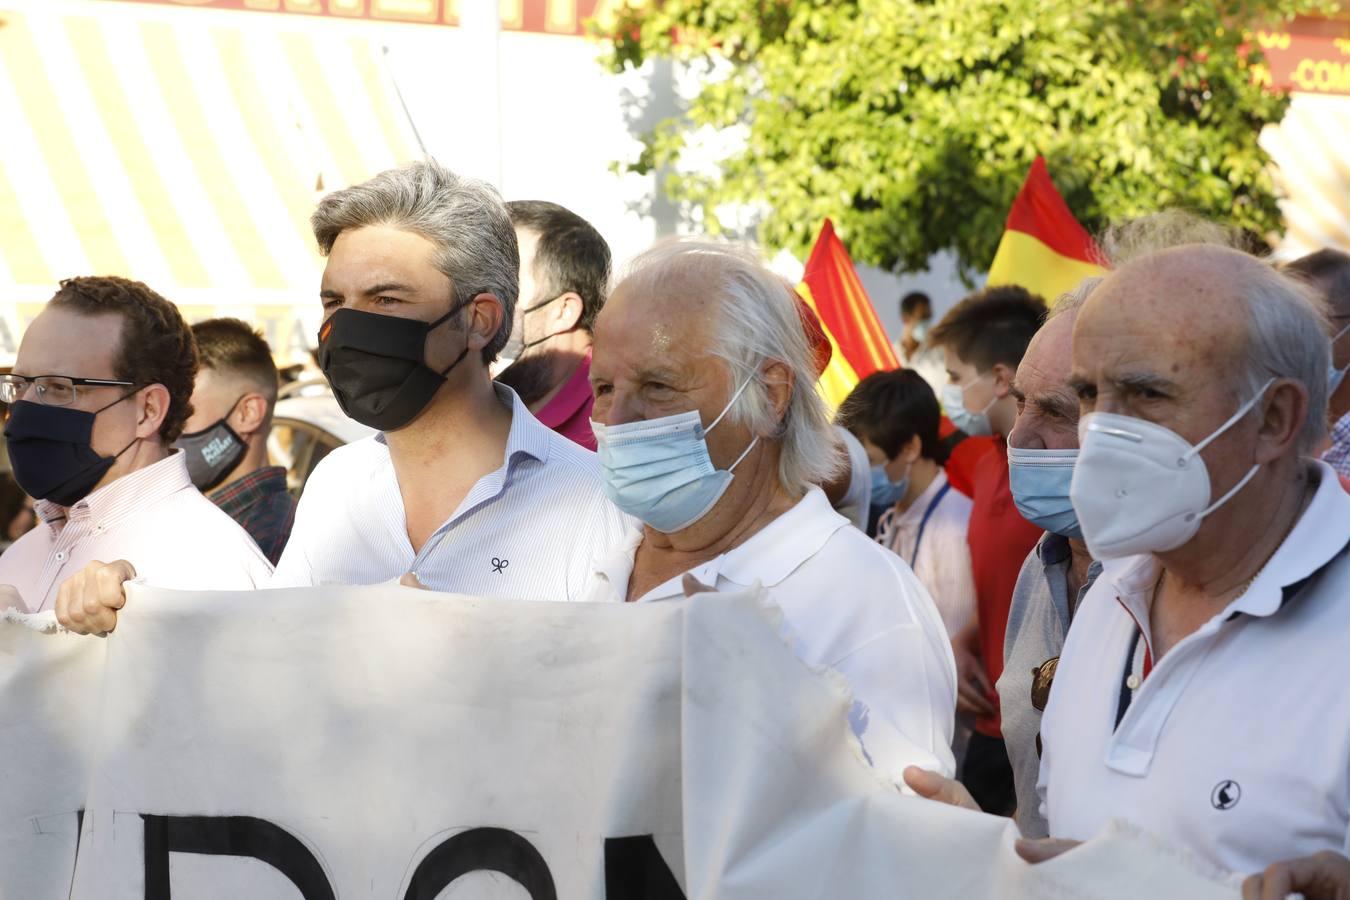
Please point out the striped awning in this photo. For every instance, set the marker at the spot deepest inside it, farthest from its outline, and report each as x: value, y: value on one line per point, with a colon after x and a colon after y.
x: 1312, y: 173
x: 182, y: 149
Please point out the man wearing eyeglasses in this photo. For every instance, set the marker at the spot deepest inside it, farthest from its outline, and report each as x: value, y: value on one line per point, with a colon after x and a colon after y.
x: 100, y: 390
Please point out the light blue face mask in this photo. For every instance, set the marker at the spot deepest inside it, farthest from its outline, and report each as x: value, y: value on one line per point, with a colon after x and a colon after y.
x: 975, y: 424
x: 1334, y: 375
x: 659, y: 471
x: 884, y: 491
x: 1040, y: 487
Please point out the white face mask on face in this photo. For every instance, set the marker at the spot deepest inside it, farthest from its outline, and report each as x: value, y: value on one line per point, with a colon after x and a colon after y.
x: 1141, y: 488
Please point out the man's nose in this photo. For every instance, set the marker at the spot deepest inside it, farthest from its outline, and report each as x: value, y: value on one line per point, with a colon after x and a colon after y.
x: 623, y: 408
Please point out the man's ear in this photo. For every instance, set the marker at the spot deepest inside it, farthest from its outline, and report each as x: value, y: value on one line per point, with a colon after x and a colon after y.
x: 486, y: 314
x: 154, y: 408
x: 778, y: 383
x: 250, y: 415
x: 1285, y: 410
x: 1003, y: 379
x: 567, y: 314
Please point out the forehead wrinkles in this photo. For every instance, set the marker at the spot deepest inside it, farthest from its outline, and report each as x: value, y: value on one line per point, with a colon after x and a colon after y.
x: 1167, y: 321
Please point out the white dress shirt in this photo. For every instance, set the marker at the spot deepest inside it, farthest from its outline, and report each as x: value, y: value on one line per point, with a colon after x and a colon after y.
x: 525, y: 531
x: 154, y: 517
x: 942, y: 560
x: 1236, y: 745
x: 848, y: 605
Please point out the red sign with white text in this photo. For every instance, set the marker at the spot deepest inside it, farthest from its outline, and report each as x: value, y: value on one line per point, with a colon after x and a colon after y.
x: 1311, y: 56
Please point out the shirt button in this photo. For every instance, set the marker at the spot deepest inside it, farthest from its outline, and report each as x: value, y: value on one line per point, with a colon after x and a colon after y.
x: 61, y: 557
x: 1132, y: 682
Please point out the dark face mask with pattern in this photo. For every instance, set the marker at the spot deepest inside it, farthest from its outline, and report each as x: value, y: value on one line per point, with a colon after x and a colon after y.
x: 50, y: 451
x: 213, y: 452
x: 376, y: 365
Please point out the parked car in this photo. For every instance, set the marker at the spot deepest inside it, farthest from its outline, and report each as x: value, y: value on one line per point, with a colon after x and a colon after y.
x: 308, y: 425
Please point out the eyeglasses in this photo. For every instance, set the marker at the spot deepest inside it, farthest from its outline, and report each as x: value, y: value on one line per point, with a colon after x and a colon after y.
x: 51, y: 390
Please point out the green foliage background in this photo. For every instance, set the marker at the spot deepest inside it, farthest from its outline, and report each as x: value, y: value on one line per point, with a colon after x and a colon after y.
x: 912, y: 123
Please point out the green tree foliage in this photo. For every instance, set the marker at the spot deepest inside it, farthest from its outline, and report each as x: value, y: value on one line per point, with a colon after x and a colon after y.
x: 912, y: 122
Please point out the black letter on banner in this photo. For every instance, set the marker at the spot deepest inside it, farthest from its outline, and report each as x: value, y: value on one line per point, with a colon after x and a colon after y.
x: 482, y: 850
x: 229, y: 836
x: 634, y: 870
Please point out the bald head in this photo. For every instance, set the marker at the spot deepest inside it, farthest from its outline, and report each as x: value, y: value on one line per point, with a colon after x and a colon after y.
x: 1182, y: 336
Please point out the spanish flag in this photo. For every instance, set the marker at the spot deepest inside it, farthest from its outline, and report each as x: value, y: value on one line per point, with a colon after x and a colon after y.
x: 830, y: 286
x: 1044, y: 249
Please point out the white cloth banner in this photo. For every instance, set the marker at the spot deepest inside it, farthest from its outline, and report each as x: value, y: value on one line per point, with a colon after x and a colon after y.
x: 396, y: 744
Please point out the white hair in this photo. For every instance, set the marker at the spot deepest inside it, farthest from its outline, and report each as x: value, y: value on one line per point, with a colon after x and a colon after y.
x: 1125, y: 241
x: 1131, y: 239
x: 759, y: 322
x: 465, y: 218
x: 1287, y: 338
x: 1072, y: 301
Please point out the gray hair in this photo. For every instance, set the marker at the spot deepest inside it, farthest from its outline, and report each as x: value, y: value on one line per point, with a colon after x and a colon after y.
x: 1287, y: 338
x: 1072, y: 301
x: 1123, y: 242
x: 759, y: 321
x: 464, y: 218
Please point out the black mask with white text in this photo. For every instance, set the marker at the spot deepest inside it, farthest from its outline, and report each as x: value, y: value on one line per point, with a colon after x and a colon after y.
x: 376, y: 365
x: 213, y: 452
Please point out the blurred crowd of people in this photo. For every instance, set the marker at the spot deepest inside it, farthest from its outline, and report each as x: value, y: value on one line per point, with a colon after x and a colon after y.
x: 1081, y: 558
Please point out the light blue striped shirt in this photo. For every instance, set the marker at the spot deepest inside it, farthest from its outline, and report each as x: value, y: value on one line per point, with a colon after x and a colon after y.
x: 526, y: 531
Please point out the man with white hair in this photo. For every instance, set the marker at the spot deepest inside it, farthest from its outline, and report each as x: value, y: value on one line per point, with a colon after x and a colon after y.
x: 462, y: 489
x: 1200, y: 693
x: 710, y: 431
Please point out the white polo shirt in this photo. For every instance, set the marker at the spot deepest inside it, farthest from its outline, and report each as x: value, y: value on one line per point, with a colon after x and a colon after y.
x: 849, y: 605
x: 526, y: 531
x: 1236, y: 745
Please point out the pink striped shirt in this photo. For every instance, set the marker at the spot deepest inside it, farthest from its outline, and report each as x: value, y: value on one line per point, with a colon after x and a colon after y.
x: 153, y: 517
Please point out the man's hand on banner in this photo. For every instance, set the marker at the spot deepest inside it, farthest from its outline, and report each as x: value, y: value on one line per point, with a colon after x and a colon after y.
x: 88, y: 601
x: 1039, y: 851
x: 932, y: 786
x: 1322, y: 876
x: 410, y: 580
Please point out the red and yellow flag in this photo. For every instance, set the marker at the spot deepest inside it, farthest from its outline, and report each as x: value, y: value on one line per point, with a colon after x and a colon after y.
x: 1044, y: 249
x: 831, y: 287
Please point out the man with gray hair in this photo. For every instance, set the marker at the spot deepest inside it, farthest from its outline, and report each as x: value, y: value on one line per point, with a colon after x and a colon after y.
x: 1200, y: 693
x: 462, y: 489
x: 711, y: 432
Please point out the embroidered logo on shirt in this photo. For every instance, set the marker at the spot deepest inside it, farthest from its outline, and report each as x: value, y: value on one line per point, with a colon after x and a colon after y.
x: 499, y: 565
x: 1226, y: 795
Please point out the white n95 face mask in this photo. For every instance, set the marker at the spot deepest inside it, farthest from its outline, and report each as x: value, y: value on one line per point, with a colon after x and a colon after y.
x: 1141, y: 488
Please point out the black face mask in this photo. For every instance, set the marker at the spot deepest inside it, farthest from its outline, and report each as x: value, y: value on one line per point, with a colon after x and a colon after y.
x: 376, y: 366
x: 50, y: 452
x: 213, y: 452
